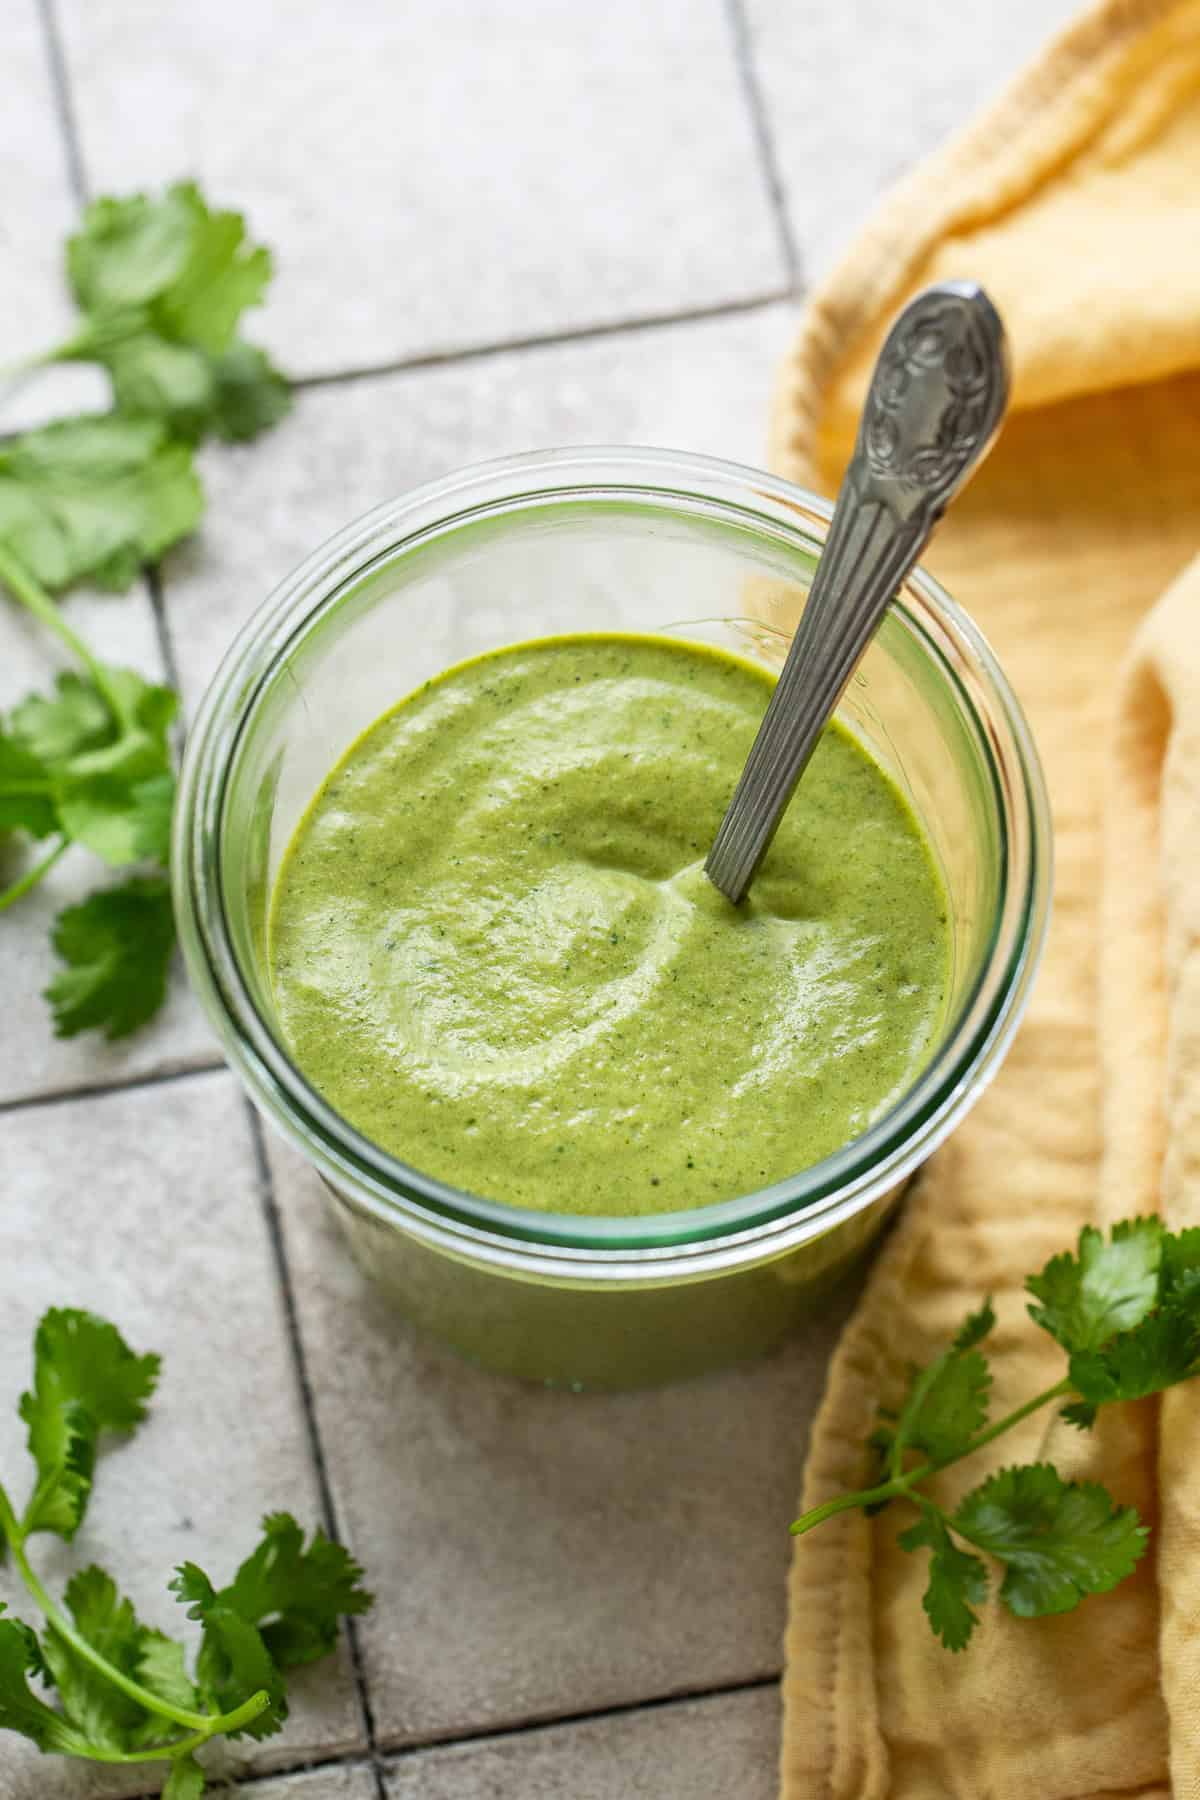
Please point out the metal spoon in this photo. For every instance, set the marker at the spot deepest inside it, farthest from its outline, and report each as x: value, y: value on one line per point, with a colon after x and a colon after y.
x: 934, y: 405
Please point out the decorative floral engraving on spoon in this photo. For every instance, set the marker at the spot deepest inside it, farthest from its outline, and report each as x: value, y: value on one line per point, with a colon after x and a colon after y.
x: 934, y: 405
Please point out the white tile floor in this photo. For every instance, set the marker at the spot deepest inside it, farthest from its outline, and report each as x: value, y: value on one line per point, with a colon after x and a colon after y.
x: 447, y: 186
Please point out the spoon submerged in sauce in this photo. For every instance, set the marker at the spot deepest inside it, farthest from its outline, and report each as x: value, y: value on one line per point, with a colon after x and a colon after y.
x: 934, y: 405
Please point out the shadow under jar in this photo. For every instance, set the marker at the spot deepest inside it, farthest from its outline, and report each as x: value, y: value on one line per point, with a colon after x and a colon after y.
x: 602, y: 540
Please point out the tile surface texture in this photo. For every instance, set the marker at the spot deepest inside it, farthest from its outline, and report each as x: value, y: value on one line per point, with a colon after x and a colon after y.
x: 544, y: 1553
x: 855, y: 93
x: 700, y: 387
x: 39, y: 207
x: 432, y: 179
x: 354, y: 1783
x: 712, y: 1749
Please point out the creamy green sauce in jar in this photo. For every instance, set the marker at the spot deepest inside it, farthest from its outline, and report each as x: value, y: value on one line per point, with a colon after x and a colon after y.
x: 494, y: 950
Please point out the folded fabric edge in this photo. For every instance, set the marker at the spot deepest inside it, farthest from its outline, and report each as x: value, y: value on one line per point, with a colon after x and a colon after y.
x: 825, y: 1574
x: 1041, y: 119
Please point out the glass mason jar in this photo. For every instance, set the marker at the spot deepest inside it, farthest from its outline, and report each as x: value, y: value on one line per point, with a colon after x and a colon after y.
x: 601, y: 540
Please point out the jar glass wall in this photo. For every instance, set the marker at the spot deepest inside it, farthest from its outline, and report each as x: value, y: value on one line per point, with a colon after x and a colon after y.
x: 601, y: 540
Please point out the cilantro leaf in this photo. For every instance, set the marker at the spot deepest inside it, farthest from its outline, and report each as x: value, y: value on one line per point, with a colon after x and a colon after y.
x: 20, y: 1708
x: 186, y: 1780
x: 106, y: 775
x: 234, y: 395
x: 62, y: 1441
x: 249, y: 393
x: 976, y: 1326
x: 1107, y: 1288
x: 1163, y: 1349
x: 152, y: 807
x: 145, y: 707
x: 125, y: 253
x: 172, y: 261
x: 152, y: 378
x: 162, y: 1668
x: 280, y: 1610
x: 58, y: 726
x: 121, y: 820
x: 1154, y: 1350
x: 95, y: 498
x: 123, y: 816
x: 86, y: 1380
x: 193, y: 1589
x: 233, y: 1662
x: 117, y: 944
x: 296, y: 1596
x: 221, y: 276
x: 164, y: 283
x: 1181, y: 1267
x: 947, y: 1406
x: 1058, y: 1540
x: 26, y: 790
x: 957, y: 1581
x: 100, y: 1711
x: 35, y: 1661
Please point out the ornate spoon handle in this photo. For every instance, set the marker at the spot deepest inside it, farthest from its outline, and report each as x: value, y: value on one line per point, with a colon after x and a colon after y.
x: 933, y: 407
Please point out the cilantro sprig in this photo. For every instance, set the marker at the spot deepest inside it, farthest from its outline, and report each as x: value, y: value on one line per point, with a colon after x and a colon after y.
x: 97, y: 1683
x: 162, y: 284
x: 1126, y: 1310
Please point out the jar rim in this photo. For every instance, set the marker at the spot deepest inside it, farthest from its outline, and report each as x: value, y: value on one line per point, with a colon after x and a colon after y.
x: 698, y: 1240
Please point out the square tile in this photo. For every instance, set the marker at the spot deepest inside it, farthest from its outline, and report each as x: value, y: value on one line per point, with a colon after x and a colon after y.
x: 700, y: 387
x: 540, y: 1553
x: 709, y: 1749
x: 39, y: 208
x: 855, y: 95
x: 437, y: 176
x: 32, y: 1060
x: 144, y: 1207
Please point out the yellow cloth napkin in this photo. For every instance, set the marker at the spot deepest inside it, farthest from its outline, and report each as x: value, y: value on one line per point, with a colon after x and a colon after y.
x: 1076, y: 201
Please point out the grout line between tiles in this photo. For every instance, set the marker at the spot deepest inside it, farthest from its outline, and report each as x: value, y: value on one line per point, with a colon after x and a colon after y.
x: 166, y: 645
x: 64, y: 105
x: 121, y: 1084
x: 743, y: 51
x: 308, y: 1406
x: 377, y: 1761
x: 486, y: 1734
x: 546, y: 340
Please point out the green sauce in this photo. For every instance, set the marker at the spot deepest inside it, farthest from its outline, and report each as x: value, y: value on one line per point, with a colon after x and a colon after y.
x: 494, y: 950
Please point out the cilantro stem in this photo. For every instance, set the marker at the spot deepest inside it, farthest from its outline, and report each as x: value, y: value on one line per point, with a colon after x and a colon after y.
x: 33, y: 596
x: 899, y: 1484
x: 989, y: 1432
x: 33, y: 875
x: 244, y: 1715
x: 923, y: 1384
x: 205, y: 1724
x: 887, y: 1490
x: 71, y: 349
